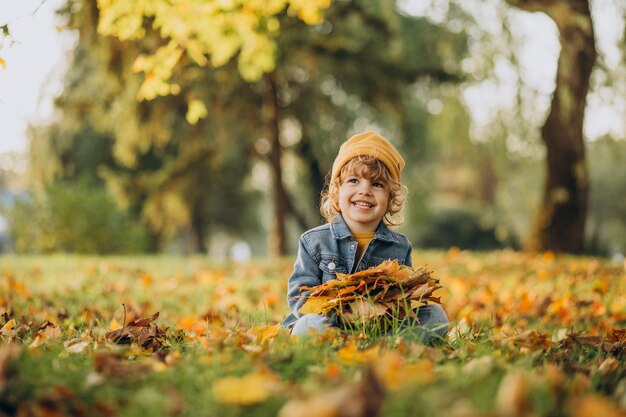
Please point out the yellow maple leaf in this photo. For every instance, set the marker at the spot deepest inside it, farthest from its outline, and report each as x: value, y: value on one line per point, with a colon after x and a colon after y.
x: 252, y: 388
x: 314, y: 305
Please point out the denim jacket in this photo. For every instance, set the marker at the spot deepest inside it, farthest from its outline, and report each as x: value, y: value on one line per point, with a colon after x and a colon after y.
x: 330, y: 248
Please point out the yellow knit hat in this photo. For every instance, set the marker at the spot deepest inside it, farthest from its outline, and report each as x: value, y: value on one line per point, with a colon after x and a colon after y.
x: 369, y: 144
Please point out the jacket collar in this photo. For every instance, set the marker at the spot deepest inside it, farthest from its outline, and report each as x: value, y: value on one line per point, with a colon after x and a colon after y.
x: 340, y: 230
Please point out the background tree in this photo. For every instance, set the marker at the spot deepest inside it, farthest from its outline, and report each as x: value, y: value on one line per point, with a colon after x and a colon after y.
x: 164, y: 169
x: 186, y: 155
x: 560, y: 223
x: 345, y: 63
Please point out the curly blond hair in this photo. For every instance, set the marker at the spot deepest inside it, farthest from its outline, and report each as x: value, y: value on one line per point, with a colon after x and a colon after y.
x: 374, y: 170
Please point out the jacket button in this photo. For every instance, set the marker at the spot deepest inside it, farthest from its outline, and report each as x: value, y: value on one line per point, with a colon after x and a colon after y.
x: 351, y: 247
x: 332, y: 266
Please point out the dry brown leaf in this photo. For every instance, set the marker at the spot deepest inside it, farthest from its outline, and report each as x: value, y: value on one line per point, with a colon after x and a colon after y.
x: 46, y: 332
x: 530, y: 339
x: 141, y: 331
x: 361, y: 309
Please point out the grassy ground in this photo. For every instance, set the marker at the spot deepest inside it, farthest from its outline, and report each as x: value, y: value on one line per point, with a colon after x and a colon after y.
x: 534, y: 335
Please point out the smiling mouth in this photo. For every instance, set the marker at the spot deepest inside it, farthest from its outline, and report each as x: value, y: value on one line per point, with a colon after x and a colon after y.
x: 362, y: 204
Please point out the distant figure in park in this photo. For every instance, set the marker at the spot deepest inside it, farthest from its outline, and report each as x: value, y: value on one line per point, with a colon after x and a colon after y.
x: 364, y: 194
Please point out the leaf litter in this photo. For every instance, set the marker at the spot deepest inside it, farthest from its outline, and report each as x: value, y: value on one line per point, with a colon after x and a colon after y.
x: 560, y: 320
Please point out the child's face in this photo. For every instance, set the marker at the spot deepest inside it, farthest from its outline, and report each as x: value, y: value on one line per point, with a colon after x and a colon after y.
x: 363, y: 202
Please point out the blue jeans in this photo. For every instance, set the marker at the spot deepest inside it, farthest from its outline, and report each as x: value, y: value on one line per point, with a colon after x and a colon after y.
x: 432, y: 326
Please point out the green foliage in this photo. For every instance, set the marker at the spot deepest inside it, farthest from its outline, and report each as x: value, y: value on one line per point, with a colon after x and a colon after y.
x: 177, y: 178
x: 458, y: 227
x: 330, y: 79
x: 606, y: 228
x: 76, y: 218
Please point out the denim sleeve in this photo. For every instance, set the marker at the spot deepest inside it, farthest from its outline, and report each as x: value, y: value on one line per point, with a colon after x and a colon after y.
x: 306, y: 272
x: 408, y: 261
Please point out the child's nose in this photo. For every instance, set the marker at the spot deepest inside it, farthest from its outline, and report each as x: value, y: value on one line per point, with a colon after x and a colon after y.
x: 365, y: 187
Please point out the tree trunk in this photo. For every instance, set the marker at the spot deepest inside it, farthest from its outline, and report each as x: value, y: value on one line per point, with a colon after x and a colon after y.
x: 317, y: 179
x: 198, y: 229
x: 560, y: 224
x: 277, y: 239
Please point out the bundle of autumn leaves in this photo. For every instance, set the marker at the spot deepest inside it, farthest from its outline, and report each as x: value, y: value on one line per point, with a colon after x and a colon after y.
x: 388, y: 291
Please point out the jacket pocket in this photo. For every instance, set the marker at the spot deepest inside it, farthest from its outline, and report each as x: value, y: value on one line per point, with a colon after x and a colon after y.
x: 330, y: 266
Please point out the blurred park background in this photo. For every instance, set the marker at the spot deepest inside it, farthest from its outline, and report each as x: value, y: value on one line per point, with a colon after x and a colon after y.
x: 208, y: 127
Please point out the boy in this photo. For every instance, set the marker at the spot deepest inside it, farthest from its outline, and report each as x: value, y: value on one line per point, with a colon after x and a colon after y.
x: 364, y: 196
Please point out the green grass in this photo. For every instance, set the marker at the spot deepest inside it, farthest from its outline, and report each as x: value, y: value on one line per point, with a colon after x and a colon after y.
x: 530, y: 335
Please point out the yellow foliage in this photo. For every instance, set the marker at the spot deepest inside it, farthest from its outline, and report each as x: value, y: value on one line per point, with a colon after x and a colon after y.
x: 167, y: 211
x: 196, y: 111
x: 218, y: 30
x: 309, y: 11
x: 123, y: 19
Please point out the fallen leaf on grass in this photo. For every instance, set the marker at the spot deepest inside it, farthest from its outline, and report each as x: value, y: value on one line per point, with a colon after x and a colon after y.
x: 265, y: 334
x: 363, y: 398
x: 249, y: 389
x: 350, y: 354
x: 141, y: 331
x: 46, y: 332
x: 75, y: 345
x: 614, y: 342
x: 594, y: 405
x: 192, y: 324
x: 396, y: 373
x: 529, y: 339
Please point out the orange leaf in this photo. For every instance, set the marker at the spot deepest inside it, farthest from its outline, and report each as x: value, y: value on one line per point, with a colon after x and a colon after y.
x: 351, y: 354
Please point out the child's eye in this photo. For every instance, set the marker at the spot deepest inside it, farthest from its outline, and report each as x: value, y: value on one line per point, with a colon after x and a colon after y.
x: 352, y: 180
x: 379, y: 185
